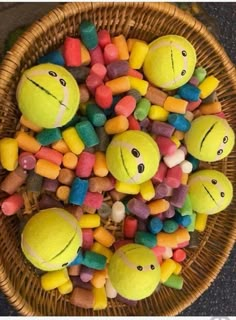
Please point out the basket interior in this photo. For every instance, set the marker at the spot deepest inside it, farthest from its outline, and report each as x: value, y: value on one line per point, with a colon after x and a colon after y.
x: 145, y: 21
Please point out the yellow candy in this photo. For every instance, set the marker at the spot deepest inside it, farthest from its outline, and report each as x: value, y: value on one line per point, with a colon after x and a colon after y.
x: 9, y: 153
x: 201, y: 221
x: 100, y: 298
x: 178, y: 268
x: 207, y: 86
x: 176, y: 141
x: 99, y: 278
x: 72, y: 140
x: 127, y: 188
x: 132, y: 41
x: 89, y: 221
x: 158, y: 113
x: 138, y: 84
x: 99, y: 248
x: 138, y: 54
x: 54, y: 279
x: 85, y: 56
x: 66, y: 288
x: 167, y: 268
x: 147, y: 190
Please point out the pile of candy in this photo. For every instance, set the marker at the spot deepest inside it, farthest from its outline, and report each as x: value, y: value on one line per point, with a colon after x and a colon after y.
x: 110, y: 134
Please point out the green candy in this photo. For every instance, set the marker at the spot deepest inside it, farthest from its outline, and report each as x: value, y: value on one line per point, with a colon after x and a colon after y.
x: 88, y: 34
x: 170, y: 226
x: 191, y: 226
x: 142, y: 109
x: 145, y: 238
x: 94, y: 260
x: 175, y: 282
x: 48, y: 136
x: 200, y: 73
x: 186, y: 209
x: 87, y: 133
x: 95, y: 115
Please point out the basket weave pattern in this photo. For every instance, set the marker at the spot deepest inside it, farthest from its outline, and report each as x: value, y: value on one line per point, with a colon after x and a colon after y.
x: 146, y: 21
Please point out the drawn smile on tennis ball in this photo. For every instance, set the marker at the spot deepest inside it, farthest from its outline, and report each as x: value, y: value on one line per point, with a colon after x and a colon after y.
x: 210, y: 191
x: 134, y: 271
x: 132, y: 157
x: 51, y: 239
x: 210, y: 138
x: 48, y: 95
x: 170, y: 62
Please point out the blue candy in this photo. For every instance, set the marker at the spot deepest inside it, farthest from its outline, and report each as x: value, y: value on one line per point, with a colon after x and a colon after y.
x: 183, y: 220
x: 189, y: 92
x: 54, y: 57
x: 78, y: 191
x: 155, y: 225
x: 78, y: 259
x: 179, y: 122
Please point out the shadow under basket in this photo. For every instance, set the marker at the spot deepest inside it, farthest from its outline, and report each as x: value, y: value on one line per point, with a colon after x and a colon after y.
x: 146, y: 21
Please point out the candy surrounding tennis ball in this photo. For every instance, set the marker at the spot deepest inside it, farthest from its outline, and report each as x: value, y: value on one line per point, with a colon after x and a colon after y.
x: 132, y: 157
x: 51, y: 238
x: 134, y: 271
x: 48, y: 95
x: 210, y: 191
x: 170, y: 62
x: 210, y: 138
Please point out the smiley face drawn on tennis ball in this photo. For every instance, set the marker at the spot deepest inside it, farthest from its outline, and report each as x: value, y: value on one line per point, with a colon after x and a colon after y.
x: 170, y: 62
x: 210, y: 138
x: 132, y: 157
x: 134, y: 271
x: 48, y: 95
x: 210, y: 191
x: 51, y: 239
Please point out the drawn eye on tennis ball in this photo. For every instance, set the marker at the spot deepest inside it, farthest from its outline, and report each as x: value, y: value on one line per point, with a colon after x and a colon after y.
x: 210, y: 191
x: 48, y: 95
x: 51, y: 239
x: 134, y: 271
x: 132, y: 157
x: 170, y: 62
x: 210, y: 138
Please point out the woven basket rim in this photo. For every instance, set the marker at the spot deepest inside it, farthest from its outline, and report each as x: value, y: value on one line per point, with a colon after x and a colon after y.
x: 12, y: 62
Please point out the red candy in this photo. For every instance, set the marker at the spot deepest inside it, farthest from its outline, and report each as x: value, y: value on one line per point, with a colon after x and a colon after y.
x: 110, y: 53
x: 173, y: 177
x: 133, y: 123
x: 130, y: 227
x: 12, y: 204
x: 92, y: 82
x: 135, y: 73
x: 87, y: 236
x: 103, y: 96
x: 179, y: 255
x: 96, y: 56
x: 72, y: 52
x: 166, y: 145
x: 85, y: 164
x: 125, y: 106
x: 99, y: 70
x: 160, y: 174
x: 93, y: 200
x: 50, y: 155
x: 104, y: 38
x: 27, y: 160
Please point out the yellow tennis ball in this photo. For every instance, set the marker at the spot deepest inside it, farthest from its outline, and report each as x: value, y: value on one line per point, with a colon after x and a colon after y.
x: 210, y: 138
x: 51, y: 238
x: 210, y: 191
x: 48, y: 95
x: 132, y: 157
x: 170, y: 62
x: 134, y: 271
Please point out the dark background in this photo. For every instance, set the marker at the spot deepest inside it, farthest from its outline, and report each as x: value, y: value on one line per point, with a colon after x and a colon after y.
x: 220, y: 17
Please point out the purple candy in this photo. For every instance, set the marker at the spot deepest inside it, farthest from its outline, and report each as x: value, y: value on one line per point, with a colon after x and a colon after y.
x: 138, y: 208
x: 170, y: 212
x: 145, y: 124
x: 86, y: 273
x: 142, y: 226
x: 162, y: 128
x: 77, y: 282
x: 178, y: 196
x: 161, y: 191
x: 50, y: 185
x: 117, y: 69
x: 48, y: 202
x: 131, y: 303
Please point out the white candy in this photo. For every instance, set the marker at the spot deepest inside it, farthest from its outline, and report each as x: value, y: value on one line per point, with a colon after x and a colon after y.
x: 186, y: 166
x: 117, y: 211
x: 175, y: 158
x: 168, y: 253
x: 110, y: 290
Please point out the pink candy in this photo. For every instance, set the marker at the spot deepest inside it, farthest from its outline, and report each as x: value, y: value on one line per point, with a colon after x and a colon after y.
x: 85, y: 164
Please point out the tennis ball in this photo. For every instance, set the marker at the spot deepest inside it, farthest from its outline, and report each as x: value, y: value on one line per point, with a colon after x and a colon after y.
x: 48, y: 95
x: 132, y: 157
x: 51, y: 238
x: 210, y: 191
x: 134, y: 271
x: 210, y: 138
x: 170, y: 62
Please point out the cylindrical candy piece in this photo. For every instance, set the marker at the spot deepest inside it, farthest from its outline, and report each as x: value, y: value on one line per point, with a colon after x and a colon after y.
x: 125, y: 106
x: 82, y: 298
x: 26, y: 142
x: 50, y: 155
x: 110, y: 53
x: 100, y: 298
x: 85, y: 164
x: 54, y: 279
x: 103, y: 96
x: 12, y: 204
x: 13, y: 180
x: 34, y: 182
x: 155, y: 225
x: 89, y: 221
x: 130, y: 227
x: 145, y: 238
x: 27, y: 160
x: 174, y: 159
x: 78, y: 191
x: 47, y: 169
x: 87, y: 133
x: 72, y: 140
x: 86, y: 273
x: 173, y: 176
x: 138, y: 208
x: 117, y: 69
x: 167, y: 269
x: 138, y: 54
x: 88, y: 34
x: 162, y: 129
x: 120, y: 42
x: 103, y: 236
x: 94, y: 260
x: 174, y: 281
x: 179, y: 122
x: 118, y: 211
x: 72, y: 52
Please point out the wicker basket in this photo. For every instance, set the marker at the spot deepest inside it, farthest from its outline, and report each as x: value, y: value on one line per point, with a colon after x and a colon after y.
x: 145, y: 21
